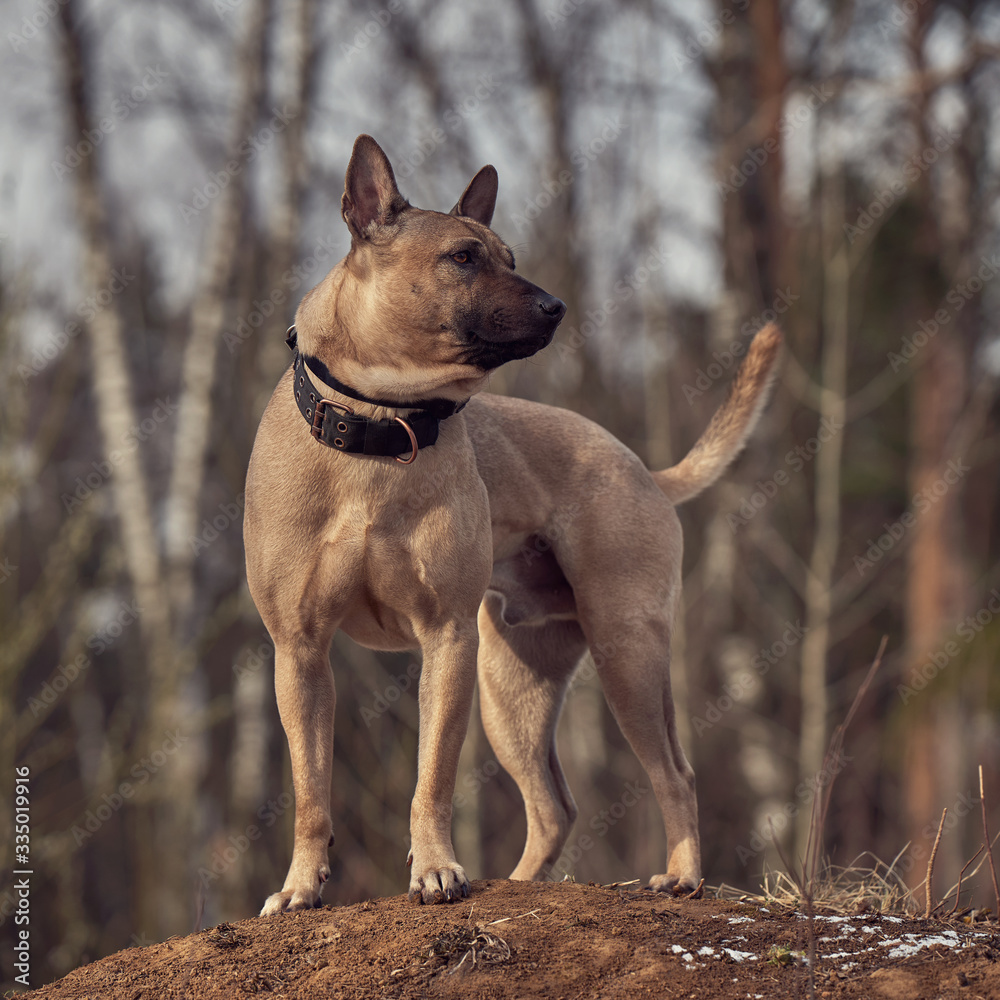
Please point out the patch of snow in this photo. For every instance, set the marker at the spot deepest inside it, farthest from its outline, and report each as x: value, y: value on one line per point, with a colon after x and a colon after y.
x: 743, y: 920
x: 910, y: 944
x: 739, y: 956
x: 676, y: 949
x: 706, y: 950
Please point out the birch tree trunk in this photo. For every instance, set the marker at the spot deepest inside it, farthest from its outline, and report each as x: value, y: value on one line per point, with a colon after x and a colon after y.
x: 208, y: 313
x: 116, y: 411
x: 116, y: 415
x: 272, y: 354
x: 826, y: 537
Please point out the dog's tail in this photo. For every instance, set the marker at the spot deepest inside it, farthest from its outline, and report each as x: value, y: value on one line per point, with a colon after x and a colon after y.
x: 732, y: 424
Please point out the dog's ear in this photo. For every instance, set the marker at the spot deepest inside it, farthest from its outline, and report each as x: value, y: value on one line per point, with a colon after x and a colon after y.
x: 480, y: 197
x: 371, y: 198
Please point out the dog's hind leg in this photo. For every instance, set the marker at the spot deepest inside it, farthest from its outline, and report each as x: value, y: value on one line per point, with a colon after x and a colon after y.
x: 624, y: 564
x: 524, y: 672
x: 635, y: 673
x: 304, y: 685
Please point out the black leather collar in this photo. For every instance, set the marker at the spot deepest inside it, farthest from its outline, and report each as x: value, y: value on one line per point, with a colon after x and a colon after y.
x: 339, y: 427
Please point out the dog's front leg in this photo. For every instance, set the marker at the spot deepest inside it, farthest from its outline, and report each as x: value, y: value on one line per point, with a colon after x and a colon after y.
x: 303, y: 682
x: 446, y: 685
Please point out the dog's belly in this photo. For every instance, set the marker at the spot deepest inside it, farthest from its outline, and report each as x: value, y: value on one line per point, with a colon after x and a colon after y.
x: 531, y: 586
x: 377, y: 626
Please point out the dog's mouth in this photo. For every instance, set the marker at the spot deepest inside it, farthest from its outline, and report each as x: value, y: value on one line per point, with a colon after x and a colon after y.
x: 488, y: 354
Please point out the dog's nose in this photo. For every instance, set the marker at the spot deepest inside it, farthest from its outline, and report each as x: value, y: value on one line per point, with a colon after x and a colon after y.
x: 554, y: 308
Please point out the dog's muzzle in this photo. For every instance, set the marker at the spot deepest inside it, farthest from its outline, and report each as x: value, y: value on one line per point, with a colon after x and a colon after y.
x: 489, y: 353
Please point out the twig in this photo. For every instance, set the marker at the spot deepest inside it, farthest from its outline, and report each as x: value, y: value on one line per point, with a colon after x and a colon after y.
x: 806, y: 879
x: 696, y: 893
x: 961, y: 875
x: 989, y: 846
x: 503, y: 920
x: 821, y: 804
x: 930, y: 865
x: 199, y: 907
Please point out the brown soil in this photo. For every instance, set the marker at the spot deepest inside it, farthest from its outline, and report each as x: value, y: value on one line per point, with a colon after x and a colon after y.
x: 516, y: 940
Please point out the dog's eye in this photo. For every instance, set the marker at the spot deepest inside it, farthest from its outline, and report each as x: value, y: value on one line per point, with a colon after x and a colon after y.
x: 462, y: 257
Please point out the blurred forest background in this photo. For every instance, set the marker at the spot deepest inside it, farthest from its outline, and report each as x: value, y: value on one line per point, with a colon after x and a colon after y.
x: 679, y: 172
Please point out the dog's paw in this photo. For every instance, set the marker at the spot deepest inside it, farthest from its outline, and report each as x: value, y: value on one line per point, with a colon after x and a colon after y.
x: 302, y: 897
x: 676, y: 886
x: 289, y: 900
x: 441, y: 885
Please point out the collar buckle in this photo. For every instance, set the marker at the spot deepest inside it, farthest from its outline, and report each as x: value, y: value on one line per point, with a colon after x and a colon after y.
x: 319, y: 415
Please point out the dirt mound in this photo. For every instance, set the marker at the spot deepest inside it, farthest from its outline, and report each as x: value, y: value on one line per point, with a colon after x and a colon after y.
x: 517, y: 939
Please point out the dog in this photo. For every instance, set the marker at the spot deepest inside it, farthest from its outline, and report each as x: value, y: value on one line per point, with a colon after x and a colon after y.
x: 389, y: 497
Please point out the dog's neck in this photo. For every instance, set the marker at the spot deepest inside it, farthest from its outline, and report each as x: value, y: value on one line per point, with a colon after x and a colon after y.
x: 380, y: 402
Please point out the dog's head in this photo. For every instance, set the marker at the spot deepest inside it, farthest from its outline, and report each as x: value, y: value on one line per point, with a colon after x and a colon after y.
x: 424, y: 301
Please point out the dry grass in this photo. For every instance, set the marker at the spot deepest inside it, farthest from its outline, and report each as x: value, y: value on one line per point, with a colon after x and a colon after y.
x: 867, y: 885
x: 859, y: 888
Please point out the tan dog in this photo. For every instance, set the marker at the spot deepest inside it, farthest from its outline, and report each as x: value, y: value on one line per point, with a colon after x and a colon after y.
x: 523, y: 536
